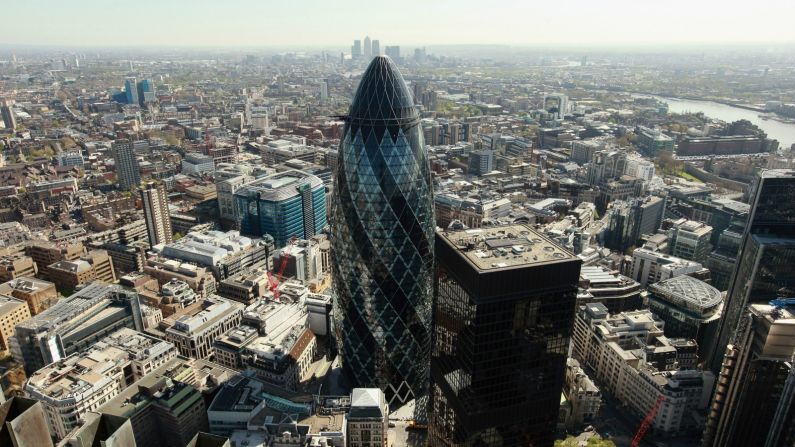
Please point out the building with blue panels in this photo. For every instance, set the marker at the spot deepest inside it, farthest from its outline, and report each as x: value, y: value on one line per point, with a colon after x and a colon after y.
x: 284, y: 205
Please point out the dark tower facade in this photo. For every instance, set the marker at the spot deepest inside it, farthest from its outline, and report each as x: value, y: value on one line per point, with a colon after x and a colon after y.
x: 382, y: 238
x: 763, y: 270
x: 503, y: 316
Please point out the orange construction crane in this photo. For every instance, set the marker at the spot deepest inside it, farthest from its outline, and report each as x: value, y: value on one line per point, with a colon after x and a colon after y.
x: 647, y: 421
x: 275, y: 280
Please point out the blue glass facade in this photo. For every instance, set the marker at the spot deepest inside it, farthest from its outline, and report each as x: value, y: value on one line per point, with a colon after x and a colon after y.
x: 285, y: 205
x: 382, y: 238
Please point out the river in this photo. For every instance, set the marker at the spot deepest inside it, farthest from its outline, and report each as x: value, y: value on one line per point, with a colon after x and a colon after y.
x: 783, y: 132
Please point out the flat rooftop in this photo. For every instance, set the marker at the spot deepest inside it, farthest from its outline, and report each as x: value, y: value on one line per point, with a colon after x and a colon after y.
x: 505, y: 247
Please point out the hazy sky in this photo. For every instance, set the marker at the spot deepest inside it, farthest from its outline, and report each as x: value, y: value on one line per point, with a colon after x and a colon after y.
x: 335, y: 23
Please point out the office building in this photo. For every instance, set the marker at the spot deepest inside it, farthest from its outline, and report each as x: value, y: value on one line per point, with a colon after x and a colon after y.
x: 193, y: 334
x: 376, y: 48
x: 162, y: 411
x: 224, y: 253
x: 368, y: 48
x: 690, y: 240
x: 617, y: 292
x: 481, y: 162
x: 12, y: 312
x: 126, y: 163
x: 23, y: 423
x: 284, y: 205
x: 81, y: 382
x: 75, y: 323
x: 382, y: 245
x: 637, y: 364
x: 505, y: 299
x: 197, y: 164
x: 16, y: 265
x: 368, y: 418
x: 165, y: 270
x: 96, y: 265
x: 227, y: 205
x: 156, y: 213
x: 754, y: 401
x: 356, y: 49
x: 131, y: 90
x: 649, y: 266
x: 146, y: 92
x: 652, y: 141
x: 46, y: 253
x: 690, y: 309
x: 763, y: 269
x: 38, y: 294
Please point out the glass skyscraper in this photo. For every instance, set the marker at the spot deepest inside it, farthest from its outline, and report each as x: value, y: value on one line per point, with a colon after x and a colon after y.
x: 284, y: 205
x: 382, y: 238
x: 763, y: 270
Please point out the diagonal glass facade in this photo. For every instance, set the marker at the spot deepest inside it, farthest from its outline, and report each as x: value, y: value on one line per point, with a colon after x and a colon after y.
x: 382, y: 238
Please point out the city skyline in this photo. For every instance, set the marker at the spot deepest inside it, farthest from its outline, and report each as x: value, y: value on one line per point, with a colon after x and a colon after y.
x: 247, y: 23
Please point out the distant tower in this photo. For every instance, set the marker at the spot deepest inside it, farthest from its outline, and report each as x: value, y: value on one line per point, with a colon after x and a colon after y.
x: 9, y: 120
x: 382, y: 245
x: 126, y: 164
x: 356, y: 49
x: 376, y: 48
x: 158, y: 220
x: 323, y: 91
x: 131, y: 89
x: 368, y: 48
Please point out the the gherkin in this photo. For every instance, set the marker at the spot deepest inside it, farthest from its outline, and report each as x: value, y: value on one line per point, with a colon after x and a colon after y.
x: 382, y: 238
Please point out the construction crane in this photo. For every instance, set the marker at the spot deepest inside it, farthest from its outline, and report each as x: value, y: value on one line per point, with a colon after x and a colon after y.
x: 644, y: 426
x: 275, y: 280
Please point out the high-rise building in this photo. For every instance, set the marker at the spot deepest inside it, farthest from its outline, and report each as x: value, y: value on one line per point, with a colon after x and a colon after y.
x: 376, y: 48
x: 382, y: 244
x: 146, y: 92
x: 503, y: 314
x: 158, y: 219
x: 763, y: 270
x: 323, y: 91
x: 131, y: 90
x: 126, y: 164
x: 481, y: 162
x: 7, y: 111
x: 754, y: 401
x: 284, y: 205
x: 690, y: 240
x: 368, y: 48
x: 356, y: 49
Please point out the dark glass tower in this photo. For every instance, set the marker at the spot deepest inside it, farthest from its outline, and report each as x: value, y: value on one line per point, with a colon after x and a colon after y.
x: 382, y: 238
x: 503, y: 316
x: 764, y: 267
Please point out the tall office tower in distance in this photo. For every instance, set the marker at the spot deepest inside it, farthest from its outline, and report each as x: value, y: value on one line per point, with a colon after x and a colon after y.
x: 503, y: 315
x: 356, y: 49
x: 158, y: 219
x: 323, y: 91
x: 146, y: 92
x: 376, y: 48
x: 131, y: 89
x: 127, y: 172
x: 382, y: 238
x: 393, y: 52
x: 754, y: 401
x: 9, y: 120
x: 763, y: 270
x: 368, y: 48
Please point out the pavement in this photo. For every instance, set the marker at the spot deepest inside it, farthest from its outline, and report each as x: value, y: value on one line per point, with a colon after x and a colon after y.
x: 400, y: 435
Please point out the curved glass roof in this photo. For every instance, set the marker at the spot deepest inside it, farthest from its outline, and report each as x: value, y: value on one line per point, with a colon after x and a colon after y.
x: 688, y: 291
x: 382, y: 98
